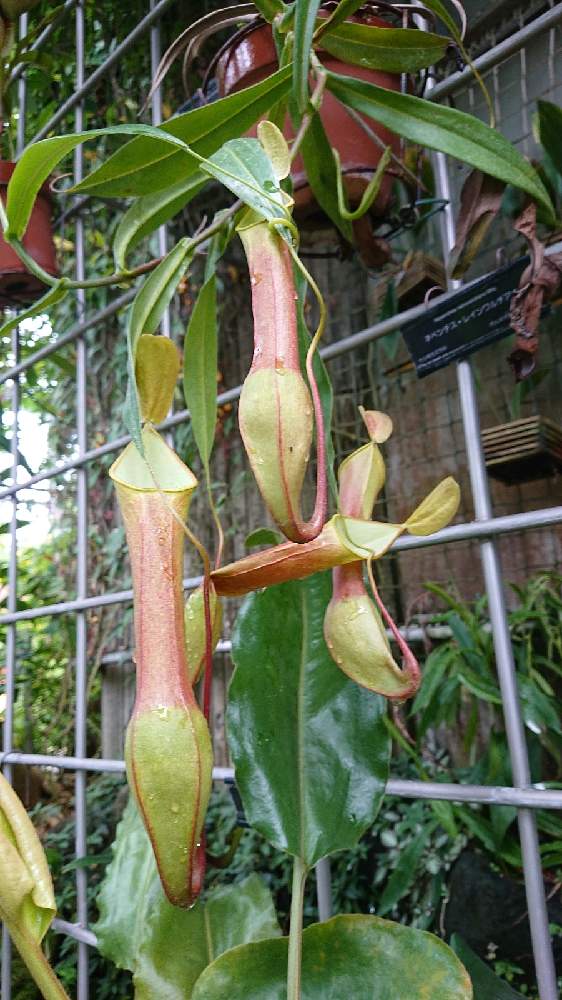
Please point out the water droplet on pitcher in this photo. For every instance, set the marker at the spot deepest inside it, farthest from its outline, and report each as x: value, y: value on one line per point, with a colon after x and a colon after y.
x: 174, y: 807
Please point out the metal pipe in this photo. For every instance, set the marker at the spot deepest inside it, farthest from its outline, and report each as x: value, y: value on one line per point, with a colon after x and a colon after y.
x: 75, y: 931
x: 76, y: 331
x: 96, y: 77
x: 536, y: 901
x: 81, y: 673
x: 365, y: 336
x: 456, y: 533
x: 12, y: 597
x: 497, y: 54
x: 531, y: 797
x: 40, y: 41
x: 323, y: 873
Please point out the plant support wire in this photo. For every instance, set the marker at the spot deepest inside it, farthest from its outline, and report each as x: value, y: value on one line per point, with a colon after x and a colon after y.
x: 486, y: 528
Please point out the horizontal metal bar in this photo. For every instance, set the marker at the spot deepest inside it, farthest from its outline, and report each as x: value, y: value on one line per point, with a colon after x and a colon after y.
x: 456, y: 533
x: 366, y: 336
x: 93, y: 80
x: 76, y: 331
x: 495, y: 526
x: 74, y: 931
x: 497, y: 54
x: 86, y: 603
x: 533, y: 797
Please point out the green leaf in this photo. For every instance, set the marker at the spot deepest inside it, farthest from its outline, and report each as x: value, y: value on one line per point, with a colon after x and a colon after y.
x: 446, y: 129
x: 243, y: 166
x: 293, y: 716
x: 349, y: 956
x: 405, y: 872
x: 440, y: 9
x: 263, y: 536
x: 50, y: 298
x: 200, y: 369
x: 305, y: 23
x: 126, y: 895
x: 480, y: 686
x: 179, y: 944
x: 550, y: 131
x: 395, y: 50
x: 270, y: 8
x: 40, y: 159
x: 167, y: 947
x: 141, y: 168
x: 321, y: 172
x: 487, y: 986
x: 151, y: 211
x: 344, y: 9
x: 145, y: 314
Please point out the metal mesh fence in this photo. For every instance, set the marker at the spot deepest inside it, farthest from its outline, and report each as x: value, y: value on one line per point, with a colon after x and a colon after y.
x: 438, y: 425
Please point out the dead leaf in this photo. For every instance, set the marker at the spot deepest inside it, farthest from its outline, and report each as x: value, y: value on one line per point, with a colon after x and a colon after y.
x: 481, y: 199
x: 538, y: 284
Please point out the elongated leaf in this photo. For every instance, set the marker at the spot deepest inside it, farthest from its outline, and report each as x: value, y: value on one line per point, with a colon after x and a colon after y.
x: 200, y: 369
x: 128, y: 892
x: 321, y: 171
x: 243, y: 166
x: 487, y: 986
x: 550, y: 131
x: 140, y: 168
x: 55, y: 294
x: 395, y: 50
x: 153, y: 210
x: 405, y: 872
x: 349, y: 956
x: 40, y: 159
x: 305, y: 22
x: 448, y: 20
x: 344, y: 9
x: 270, y: 8
x: 144, y: 316
x: 446, y: 129
x: 292, y: 716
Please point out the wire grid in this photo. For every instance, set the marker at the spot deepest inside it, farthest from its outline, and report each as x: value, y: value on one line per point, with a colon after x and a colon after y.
x: 482, y: 530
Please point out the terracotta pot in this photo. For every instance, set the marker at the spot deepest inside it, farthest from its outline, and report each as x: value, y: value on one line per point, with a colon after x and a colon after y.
x: 250, y: 56
x: 17, y: 286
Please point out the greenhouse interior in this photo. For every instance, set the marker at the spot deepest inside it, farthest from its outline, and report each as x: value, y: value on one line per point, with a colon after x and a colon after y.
x: 281, y: 500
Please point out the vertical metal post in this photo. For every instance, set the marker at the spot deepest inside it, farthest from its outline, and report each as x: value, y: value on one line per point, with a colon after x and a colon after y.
x: 11, y: 636
x: 156, y: 114
x: 538, y: 916
x: 324, y: 889
x: 81, y: 546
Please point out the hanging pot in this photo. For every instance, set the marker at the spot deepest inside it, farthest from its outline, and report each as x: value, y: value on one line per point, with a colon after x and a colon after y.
x: 17, y: 286
x: 250, y: 56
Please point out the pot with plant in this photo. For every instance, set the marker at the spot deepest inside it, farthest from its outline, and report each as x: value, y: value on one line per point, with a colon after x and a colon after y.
x: 315, y: 669
x: 18, y: 285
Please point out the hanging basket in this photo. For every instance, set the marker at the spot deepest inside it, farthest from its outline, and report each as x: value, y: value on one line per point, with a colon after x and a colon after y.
x: 250, y: 56
x: 17, y: 286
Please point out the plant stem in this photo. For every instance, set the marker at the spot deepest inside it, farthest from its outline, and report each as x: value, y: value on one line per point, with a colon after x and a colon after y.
x: 120, y: 276
x: 39, y: 968
x: 300, y: 872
